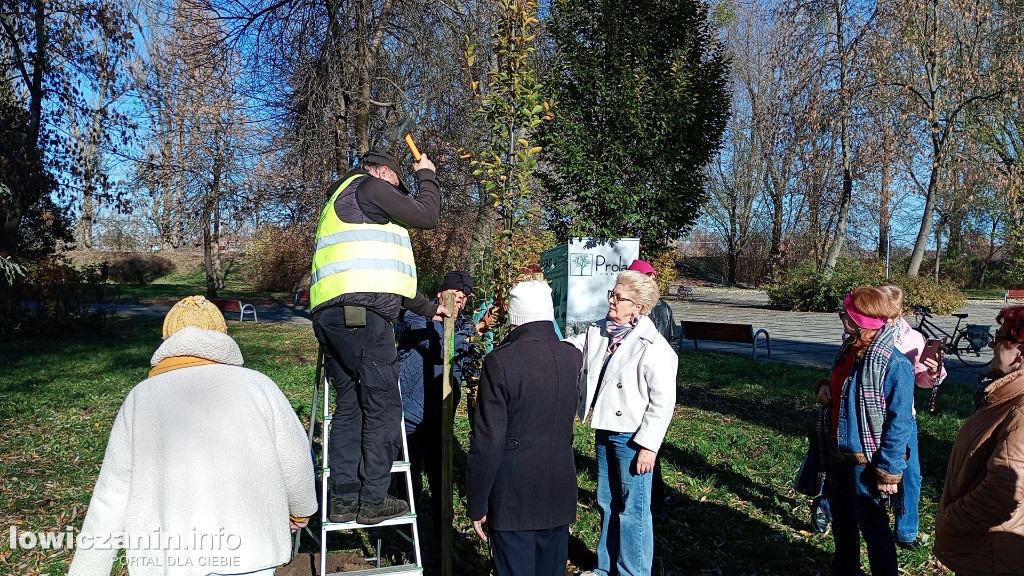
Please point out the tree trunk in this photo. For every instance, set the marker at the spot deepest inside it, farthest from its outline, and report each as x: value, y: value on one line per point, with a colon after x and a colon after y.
x: 366, y: 60
x: 775, y: 252
x: 844, y: 137
x: 214, y: 277
x: 884, y: 215
x: 211, y: 285
x: 337, y: 40
x: 36, y: 91
x: 937, y: 136
x: 938, y: 250
x: 931, y: 199
x: 218, y: 273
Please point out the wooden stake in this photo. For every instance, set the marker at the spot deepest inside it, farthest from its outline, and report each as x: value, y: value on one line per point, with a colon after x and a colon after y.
x: 447, y: 433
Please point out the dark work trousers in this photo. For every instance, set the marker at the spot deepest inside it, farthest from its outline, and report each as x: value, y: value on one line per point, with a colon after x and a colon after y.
x: 530, y: 552
x: 362, y: 364
x: 857, y: 510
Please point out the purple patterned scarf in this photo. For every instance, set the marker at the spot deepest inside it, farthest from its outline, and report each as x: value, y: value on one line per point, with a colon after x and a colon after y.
x: 618, y: 332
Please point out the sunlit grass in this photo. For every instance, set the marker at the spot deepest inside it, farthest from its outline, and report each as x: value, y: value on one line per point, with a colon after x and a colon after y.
x: 737, y: 438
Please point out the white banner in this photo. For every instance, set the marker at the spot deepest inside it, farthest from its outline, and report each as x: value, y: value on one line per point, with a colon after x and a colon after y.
x: 581, y: 274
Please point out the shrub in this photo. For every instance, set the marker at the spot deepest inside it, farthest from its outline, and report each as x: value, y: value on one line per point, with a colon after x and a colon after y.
x: 806, y: 289
x: 280, y: 257
x: 54, y: 297
x: 667, y: 266
x: 940, y: 298
x: 139, y: 269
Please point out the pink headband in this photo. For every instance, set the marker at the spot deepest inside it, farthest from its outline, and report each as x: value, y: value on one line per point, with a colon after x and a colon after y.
x: 867, y: 322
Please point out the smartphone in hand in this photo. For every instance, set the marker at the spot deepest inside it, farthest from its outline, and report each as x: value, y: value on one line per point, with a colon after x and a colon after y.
x: 931, y: 350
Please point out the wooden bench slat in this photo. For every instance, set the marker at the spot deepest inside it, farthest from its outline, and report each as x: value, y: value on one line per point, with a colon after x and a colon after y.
x: 232, y: 305
x: 724, y: 332
x: 1013, y: 295
x: 227, y: 305
x: 743, y: 333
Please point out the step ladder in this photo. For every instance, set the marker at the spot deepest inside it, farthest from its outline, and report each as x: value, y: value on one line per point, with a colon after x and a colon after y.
x: 326, y: 526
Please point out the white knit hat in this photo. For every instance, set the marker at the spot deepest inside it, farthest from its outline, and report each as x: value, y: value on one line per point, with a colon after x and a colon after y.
x: 530, y: 302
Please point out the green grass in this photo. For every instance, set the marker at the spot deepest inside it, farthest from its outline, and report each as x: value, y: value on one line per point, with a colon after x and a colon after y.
x: 190, y: 279
x: 737, y: 438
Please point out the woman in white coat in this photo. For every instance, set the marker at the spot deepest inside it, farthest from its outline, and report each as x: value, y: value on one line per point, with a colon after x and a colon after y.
x: 628, y: 383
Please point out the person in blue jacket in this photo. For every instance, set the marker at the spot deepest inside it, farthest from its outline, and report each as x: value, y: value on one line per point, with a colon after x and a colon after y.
x: 868, y: 423
x: 421, y: 366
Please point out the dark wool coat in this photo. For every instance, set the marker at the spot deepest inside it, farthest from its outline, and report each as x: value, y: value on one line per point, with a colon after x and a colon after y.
x: 520, y: 470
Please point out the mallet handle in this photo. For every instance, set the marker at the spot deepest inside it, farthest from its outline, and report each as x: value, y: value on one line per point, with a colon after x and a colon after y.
x: 412, y: 147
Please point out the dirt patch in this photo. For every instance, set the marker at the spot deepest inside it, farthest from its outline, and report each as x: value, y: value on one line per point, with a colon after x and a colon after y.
x: 306, y: 564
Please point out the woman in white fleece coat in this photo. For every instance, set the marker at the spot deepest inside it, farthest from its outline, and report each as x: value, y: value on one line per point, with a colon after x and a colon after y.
x: 205, y: 464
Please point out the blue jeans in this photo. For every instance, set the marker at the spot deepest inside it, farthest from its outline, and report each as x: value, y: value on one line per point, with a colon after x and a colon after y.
x: 908, y: 524
x: 626, y: 547
x: 857, y: 510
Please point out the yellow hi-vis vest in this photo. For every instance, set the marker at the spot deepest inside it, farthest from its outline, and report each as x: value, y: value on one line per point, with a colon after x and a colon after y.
x: 353, y: 258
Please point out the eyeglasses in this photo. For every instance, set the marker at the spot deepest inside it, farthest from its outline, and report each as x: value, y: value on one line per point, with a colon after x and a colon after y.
x: 615, y: 298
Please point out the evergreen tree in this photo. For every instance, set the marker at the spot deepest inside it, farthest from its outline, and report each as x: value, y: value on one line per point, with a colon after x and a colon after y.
x: 642, y: 105
x: 31, y: 223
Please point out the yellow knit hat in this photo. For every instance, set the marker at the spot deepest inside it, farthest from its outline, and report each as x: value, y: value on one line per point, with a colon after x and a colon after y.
x: 194, y: 311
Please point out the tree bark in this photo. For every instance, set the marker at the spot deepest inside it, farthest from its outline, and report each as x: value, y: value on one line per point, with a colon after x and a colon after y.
x: 366, y: 61
x: 931, y: 200
x: 884, y: 215
x: 844, y: 138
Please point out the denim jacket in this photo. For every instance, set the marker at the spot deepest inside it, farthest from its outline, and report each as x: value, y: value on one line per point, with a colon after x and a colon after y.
x: 421, y: 362
x: 898, y: 388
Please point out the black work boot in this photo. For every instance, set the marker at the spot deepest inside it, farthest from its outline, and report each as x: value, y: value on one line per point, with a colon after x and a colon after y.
x: 342, y: 511
x: 391, y: 507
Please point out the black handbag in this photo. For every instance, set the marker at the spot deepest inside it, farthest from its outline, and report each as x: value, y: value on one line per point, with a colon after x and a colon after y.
x: 810, y: 478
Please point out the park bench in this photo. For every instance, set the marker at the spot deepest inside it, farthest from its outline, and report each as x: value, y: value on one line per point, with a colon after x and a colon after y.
x: 302, y: 298
x: 684, y: 293
x: 229, y: 305
x: 722, y: 332
x: 1013, y: 295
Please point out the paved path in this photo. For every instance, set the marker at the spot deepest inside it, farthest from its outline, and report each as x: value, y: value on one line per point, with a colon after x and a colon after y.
x: 806, y: 338
x: 276, y: 314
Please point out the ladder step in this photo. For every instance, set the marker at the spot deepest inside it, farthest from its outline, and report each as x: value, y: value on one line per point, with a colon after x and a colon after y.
x: 397, y: 466
x: 400, y: 570
x: 407, y: 519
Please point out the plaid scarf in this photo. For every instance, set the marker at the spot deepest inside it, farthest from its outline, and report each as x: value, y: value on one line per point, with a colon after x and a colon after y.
x: 870, y: 394
x: 618, y: 332
x: 870, y: 402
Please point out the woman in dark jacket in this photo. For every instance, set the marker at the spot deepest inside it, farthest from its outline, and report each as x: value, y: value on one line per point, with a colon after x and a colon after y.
x: 521, y: 477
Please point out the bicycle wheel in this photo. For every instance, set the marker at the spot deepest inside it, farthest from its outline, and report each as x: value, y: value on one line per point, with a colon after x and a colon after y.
x: 966, y: 352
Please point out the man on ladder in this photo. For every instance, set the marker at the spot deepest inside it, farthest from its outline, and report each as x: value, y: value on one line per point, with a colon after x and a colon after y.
x: 363, y: 274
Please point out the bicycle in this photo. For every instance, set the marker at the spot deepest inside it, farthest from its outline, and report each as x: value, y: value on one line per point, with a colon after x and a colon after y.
x: 969, y: 344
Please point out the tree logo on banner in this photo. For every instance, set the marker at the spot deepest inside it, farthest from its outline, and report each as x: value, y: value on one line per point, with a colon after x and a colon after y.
x: 582, y: 264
